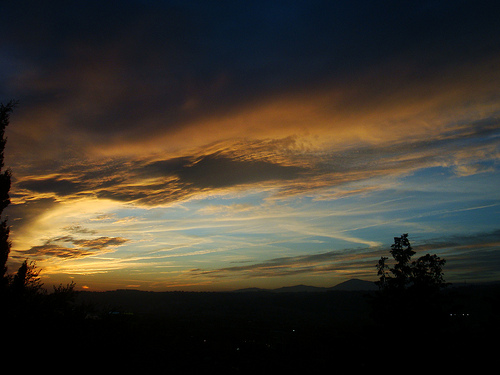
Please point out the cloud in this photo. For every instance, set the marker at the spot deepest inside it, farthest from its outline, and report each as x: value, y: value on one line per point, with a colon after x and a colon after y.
x: 472, y: 169
x: 50, y: 250
x: 282, y: 165
x: 226, y: 209
x: 100, y: 242
x: 137, y: 105
x: 60, y: 186
x: 302, y: 264
x: 82, y: 247
x: 464, y: 241
x: 476, y: 254
x: 214, y: 171
x: 469, y: 256
x: 169, y: 76
x: 158, y: 181
x: 24, y: 211
x: 78, y: 229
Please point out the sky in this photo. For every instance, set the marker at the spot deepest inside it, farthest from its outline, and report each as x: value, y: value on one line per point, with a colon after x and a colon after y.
x: 209, y: 146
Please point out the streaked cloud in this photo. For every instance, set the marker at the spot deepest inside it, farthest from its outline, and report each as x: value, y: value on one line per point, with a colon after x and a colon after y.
x: 155, y: 181
x: 81, y: 248
x: 465, y: 255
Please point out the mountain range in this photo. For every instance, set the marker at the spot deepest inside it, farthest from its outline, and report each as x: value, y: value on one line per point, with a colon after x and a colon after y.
x: 349, y: 285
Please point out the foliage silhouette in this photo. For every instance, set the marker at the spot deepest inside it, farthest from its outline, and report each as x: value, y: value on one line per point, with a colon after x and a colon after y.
x: 409, y: 291
x: 425, y: 274
x: 27, y: 279
x: 5, y: 181
x: 22, y: 295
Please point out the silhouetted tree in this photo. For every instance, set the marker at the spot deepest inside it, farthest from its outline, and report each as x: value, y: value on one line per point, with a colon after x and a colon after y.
x: 424, y: 274
x: 27, y: 279
x: 409, y: 290
x: 5, y: 176
x: 23, y: 301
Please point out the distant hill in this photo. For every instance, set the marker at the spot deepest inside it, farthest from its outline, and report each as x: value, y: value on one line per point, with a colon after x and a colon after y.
x: 355, y: 284
x: 299, y: 288
x: 349, y: 285
x: 247, y: 290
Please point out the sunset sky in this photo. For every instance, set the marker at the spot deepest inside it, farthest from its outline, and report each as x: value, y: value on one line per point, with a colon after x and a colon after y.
x: 217, y: 145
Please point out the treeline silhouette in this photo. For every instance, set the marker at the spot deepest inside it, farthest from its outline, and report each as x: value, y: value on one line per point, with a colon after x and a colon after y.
x: 30, y: 316
x: 415, y: 321
x: 23, y: 291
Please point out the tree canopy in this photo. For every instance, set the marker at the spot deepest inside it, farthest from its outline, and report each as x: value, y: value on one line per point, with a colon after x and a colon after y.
x: 423, y: 274
x: 409, y: 295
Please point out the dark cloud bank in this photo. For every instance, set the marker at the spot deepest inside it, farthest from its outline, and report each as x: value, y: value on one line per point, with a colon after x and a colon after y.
x: 174, y: 178
x: 110, y: 65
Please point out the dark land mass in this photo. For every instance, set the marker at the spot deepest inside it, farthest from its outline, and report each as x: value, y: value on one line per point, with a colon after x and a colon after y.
x: 355, y: 284
x: 244, y: 332
x: 265, y: 332
x: 269, y: 331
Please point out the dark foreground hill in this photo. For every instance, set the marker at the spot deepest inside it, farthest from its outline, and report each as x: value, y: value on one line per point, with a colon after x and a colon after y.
x: 272, y: 307
x: 266, y: 332
x: 257, y: 332
x: 261, y: 332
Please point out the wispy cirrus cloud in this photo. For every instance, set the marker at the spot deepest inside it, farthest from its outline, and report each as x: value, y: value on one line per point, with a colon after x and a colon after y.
x: 476, y: 254
x: 357, y: 259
